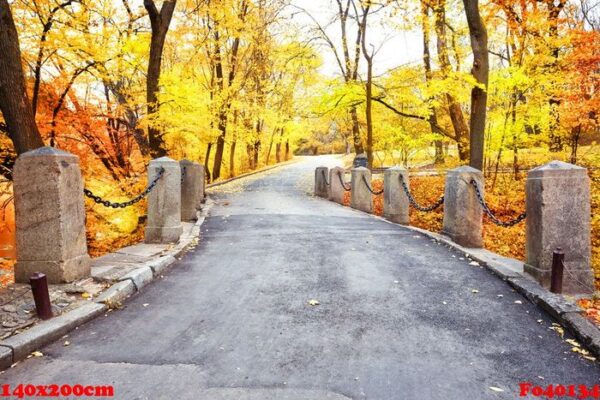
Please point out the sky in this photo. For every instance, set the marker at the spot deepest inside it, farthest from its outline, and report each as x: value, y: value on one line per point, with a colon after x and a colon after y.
x: 395, y: 47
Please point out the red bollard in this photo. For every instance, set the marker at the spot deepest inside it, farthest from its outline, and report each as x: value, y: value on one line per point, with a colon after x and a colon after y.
x: 39, y: 287
x: 556, y: 279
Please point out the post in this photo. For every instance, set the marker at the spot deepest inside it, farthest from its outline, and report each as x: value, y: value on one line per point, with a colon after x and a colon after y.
x: 361, y: 198
x: 192, y: 189
x: 558, y: 215
x: 164, y: 203
x: 50, y: 216
x: 463, y: 215
x: 321, y: 188
x: 556, y: 278
x: 395, y: 201
x: 336, y: 188
x: 41, y: 297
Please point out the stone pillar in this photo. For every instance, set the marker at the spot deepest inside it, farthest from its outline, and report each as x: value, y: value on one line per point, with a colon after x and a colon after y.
x: 321, y: 188
x: 336, y: 190
x: 50, y: 216
x: 463, y: 215
x: 361, y: 198
x: 164, y: 203
x: 395, y: 201
x: 192, y: 189
x: 558, y: 215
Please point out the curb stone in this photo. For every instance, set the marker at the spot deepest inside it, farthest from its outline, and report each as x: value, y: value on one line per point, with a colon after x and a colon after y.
x: 584, y: 330
x: 116, y: 293
x: 48, y: 331
x: 510, y: 270
x: 140, y: 277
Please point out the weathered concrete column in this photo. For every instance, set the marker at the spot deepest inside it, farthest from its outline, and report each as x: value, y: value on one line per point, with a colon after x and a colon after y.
x: 321, y: 187
x: 558, y: 215
x: 395, y: 202
x: 463, y: 215
x: 192, y: 189
x: 164, y: 203
x: 336, y: 189
x: 50, y: 216
x: 361, y: 198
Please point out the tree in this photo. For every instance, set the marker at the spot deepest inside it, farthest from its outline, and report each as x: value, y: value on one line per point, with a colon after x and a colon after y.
x: 480, y: 71
x: 159, y: 22
x: 14, y: 101
x: 348, y: 63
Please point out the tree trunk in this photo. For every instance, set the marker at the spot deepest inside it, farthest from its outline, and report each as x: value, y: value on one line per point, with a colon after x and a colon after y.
x: 461, y: 131
x: 480, y: 72
x: 287, y: 150
x: 232, y: 159
x: 249, y: 154
x: 432, y: 119
x: 206, y: 158
x: 368, y: 86
x: 14, y: 102
x: 159, y: 22
x: 356, y: 139
x: 220, y: 145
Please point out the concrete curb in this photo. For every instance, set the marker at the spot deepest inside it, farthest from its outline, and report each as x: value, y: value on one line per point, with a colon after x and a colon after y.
x: 20, y: 346
x: 510, y: 270
x: 23, y: 344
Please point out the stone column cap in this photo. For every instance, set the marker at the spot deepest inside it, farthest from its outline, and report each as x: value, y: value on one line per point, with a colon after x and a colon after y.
x: 48, y: 151
x: 163, y: 159
x: 396, y: 168
x: 463, y: 169
x: 557, y: 167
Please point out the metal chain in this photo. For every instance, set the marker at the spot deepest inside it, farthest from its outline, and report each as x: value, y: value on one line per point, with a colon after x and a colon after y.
x: 347, y: 189
x: 325, y: 177
x: 106, y: 203
x: 489, y: 212
x: 371, y: 189
x: 414, y: 203
x: 574, y: 277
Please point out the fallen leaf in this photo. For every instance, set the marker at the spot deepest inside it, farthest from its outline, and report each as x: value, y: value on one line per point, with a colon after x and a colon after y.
x: 145, y: 304
x: 496, y: 389
x: 66, y: 343
x: 86, y: 295
x: 474, y: 291
x: 313, y: 302
x: 573, y: 342
x: 474, y: 263
x: 37, y: 354
x: 518, y: 302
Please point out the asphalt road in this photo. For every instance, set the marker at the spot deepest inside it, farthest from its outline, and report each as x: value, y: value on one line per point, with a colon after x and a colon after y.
x: 397, y: 317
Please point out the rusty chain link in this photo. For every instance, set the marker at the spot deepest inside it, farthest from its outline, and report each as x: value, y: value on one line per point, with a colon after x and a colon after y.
x: 325, y: 177
x: 347, y: 189
x: 414, y: 203
x: 106, y: 203
x: 364, y: 179
x: 489, y: 212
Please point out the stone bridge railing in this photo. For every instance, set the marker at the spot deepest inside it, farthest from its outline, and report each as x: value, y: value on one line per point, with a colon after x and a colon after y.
x: 50, y: 210
x: 557, y: 212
